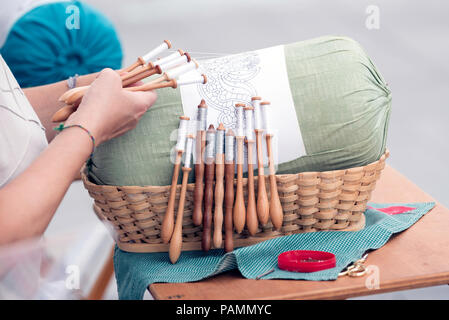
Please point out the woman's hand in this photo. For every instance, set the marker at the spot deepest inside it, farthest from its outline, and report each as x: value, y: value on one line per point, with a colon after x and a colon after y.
x: 107, y: 110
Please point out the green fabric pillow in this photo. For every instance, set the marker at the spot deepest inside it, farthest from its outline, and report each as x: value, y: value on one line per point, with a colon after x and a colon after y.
x: 342, y: 105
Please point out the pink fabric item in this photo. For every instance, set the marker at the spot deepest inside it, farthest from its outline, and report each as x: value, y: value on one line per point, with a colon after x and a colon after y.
x: 393, y: 210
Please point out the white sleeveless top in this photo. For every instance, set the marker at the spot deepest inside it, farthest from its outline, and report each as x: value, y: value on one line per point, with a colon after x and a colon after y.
x: 22, y: 136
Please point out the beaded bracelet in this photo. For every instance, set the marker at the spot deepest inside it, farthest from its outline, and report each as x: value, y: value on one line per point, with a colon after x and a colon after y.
x: 62, y: 127
x: 71, y: 81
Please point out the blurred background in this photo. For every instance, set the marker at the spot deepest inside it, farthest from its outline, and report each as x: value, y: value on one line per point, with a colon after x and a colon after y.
x: 408, y: 43
x: 409, y: 46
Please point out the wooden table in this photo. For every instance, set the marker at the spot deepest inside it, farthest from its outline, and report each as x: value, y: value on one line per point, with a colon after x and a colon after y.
x: 415, y: 258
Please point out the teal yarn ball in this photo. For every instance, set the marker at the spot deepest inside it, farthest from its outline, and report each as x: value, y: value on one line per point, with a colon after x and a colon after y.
x: 55, y: 41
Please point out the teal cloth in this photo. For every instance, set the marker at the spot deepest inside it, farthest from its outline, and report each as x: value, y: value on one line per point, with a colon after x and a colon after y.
x: 135, y: 271
x: 41, y: 49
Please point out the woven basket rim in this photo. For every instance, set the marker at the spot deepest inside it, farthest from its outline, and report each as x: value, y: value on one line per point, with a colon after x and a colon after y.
x: 312, y: 201
x: 85, y: 178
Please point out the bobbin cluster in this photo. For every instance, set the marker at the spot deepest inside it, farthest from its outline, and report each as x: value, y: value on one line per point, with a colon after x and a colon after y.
x: 173, y: 70
x: 308, y: 201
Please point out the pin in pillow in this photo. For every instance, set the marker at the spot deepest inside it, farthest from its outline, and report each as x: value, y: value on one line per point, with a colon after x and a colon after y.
x: 342, y: 106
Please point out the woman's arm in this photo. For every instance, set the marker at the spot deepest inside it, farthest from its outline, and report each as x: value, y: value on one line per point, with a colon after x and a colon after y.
x: 28, y: 202
x: 44, y: 100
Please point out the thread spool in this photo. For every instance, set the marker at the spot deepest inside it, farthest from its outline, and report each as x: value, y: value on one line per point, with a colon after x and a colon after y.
x: 265, y: 106
x: 171, y: 83
x: 182, y: 133
x: 149, y: 55
x: 210, y: 143
x: 249, y: 123
x: 229, y: 146
x: 258, y: 125
x: 189, y: 150
x: 276, y: 211
x: 176, y: 72
x: 263, y: 209
x: 156, y: 51
x: 168, y: 220
x: 179, y: 61
x: 170, y: 57
x: 239, y: 205
x: 219, y: 139
x: 200, y: 78
x: 251, y: 211
x: 202, y: 116
x: 145, y: 59
x: 240, y: 119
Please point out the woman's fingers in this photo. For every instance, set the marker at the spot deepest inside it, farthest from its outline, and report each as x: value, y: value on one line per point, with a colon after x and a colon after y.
x: 145, y: 99
x: 108, y: 78
x: 107, y: 110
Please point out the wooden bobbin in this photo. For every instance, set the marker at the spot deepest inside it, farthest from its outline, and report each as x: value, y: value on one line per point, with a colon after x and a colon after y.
x: 209, y: 173
x: 129, y: 71
x: 219, y: 188
x: 63, y: 113
x: 229, y: 192
x: 175, y: 247
x: 252, y: 222
x: 263, y: 209
x: 168, y: 79
x: 198, y: 193
x: 276, y: 212
x: 239, y: 205
x: 140, y: 75
x: 168, y: 220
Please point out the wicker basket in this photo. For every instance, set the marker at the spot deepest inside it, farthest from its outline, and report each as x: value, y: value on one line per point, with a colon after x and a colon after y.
x: 312, y: 201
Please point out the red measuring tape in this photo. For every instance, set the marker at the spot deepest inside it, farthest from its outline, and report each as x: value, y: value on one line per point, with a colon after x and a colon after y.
x: 306, y: 260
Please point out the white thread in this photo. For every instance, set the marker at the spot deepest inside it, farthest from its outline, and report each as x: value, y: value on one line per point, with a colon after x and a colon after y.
x: 219, y: 141
x: 229, y: 148
x: 173, y: 63
x: 240, y: 132
x: 188, y: 156
x: 198, y: 79
x: 249, y: 124
x: 202, y: 119
x: 182, y: 135
x: 192, y: 127
x: 210, y: 53
x: 158, y: 50
x: 266, y: 119
x: 174, y: 73
x: 168, y: 58
x: 210, y: 144
x: 257, y: 116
